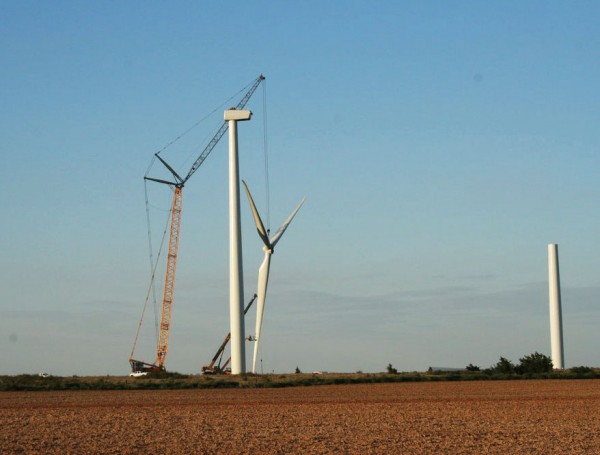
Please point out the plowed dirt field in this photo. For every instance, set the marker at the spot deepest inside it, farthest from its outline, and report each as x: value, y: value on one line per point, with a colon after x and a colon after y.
x: 549, y: 416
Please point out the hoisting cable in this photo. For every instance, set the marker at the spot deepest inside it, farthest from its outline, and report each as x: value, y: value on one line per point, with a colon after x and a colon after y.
x: 266, y: 153
x: 154, y: 264
x: 150, y: 251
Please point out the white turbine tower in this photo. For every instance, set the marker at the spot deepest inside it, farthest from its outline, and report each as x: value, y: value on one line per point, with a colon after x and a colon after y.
x: 263, y: 271
x: 236, y: 279
x: 556, y: 335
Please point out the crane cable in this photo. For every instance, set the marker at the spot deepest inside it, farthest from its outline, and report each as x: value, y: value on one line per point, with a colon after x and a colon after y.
x: 150, y: 251
x: 266, y: 156
x: 235, y: 95
x: 154, y: 266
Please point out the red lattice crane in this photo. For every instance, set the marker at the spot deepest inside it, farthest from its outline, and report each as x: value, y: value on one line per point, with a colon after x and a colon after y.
x: 169, y: 291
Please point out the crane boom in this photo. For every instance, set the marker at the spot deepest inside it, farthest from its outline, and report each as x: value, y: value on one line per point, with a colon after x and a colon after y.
x: 217, y: 137
x: 178, y: 184
x: 211, y: 368
x: 165, y: 320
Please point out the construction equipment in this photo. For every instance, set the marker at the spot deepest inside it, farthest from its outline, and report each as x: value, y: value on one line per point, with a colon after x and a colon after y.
x: 178, y: 184
x: 222, y: 369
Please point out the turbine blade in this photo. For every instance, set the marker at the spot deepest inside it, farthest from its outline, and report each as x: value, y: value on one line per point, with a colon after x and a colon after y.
x: 261, y: 292
x: 260, y: 227
x: 285, y: 225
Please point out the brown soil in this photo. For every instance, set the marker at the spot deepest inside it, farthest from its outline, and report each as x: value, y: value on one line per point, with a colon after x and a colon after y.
x: 549, y: 416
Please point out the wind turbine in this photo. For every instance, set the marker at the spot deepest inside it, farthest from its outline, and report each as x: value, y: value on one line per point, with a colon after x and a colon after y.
x: 263, y: 271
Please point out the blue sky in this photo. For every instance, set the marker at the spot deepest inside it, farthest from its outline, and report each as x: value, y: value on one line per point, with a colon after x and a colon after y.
x: 440, y: 146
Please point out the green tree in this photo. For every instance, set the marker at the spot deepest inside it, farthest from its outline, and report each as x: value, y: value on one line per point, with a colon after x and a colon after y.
x: 391, y: 370
x: 471, y: 367
x: 298, y: 370
x: 535, y: 363
x: 504, y: 366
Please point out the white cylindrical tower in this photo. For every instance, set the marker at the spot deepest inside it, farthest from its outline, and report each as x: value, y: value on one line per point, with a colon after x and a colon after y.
x: 556, y: 336
x: 236, y: 278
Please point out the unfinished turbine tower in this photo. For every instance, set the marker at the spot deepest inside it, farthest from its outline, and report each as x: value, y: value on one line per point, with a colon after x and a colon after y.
x: 236, y: 279
x: 556, y: 336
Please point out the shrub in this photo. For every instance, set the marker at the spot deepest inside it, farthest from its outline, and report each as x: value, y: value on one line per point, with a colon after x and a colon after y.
x: 504, y: 366
x: 535, y: 363
x: 581, y: 370
x: 471, y: 367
